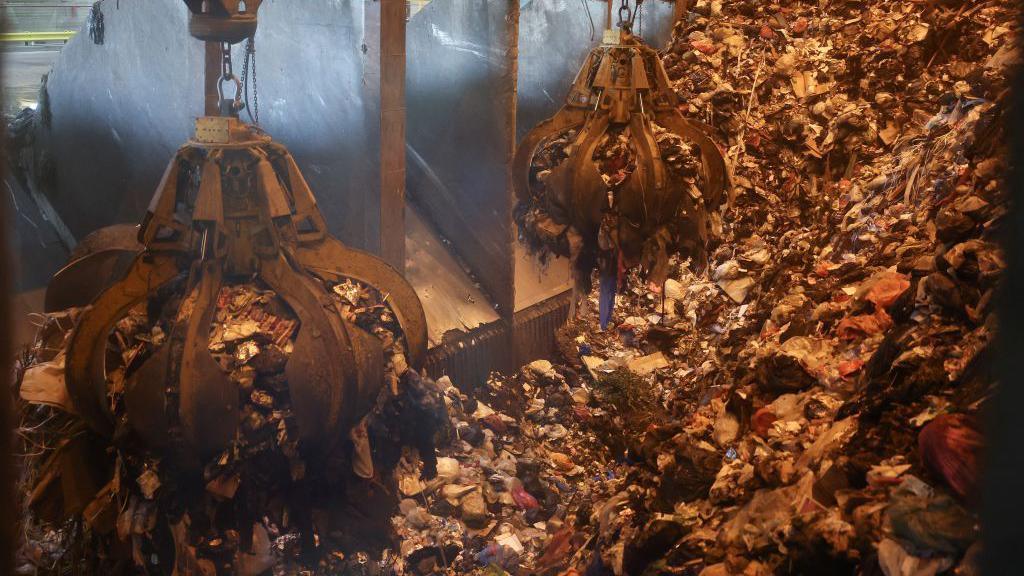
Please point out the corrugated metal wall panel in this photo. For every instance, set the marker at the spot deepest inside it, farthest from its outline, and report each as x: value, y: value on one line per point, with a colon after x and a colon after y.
x: 469, y: 360
x: 43, y: 16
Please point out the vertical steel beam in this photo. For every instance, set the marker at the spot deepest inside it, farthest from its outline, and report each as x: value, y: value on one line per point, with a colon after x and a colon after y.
x: 681, y: 7
x: 510, y: 104
x: 392, y: 132
x: 212, y: 79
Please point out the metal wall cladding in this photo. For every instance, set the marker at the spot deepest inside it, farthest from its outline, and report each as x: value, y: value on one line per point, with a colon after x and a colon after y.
x: 42, y: 16
x: 460, y: 134
x: 469, y: 359
x: 119, y: 110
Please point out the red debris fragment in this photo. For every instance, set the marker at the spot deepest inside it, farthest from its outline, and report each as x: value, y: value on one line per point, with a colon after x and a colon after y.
x: 949, y: 446
x: 704, y: 46
x: 762, y: 421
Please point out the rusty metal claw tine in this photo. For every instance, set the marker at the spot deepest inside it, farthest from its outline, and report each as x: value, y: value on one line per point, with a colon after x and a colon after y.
x: 160, y: 215
x: 715, y: 172
x: 145, y: 398
x: 208, y: 404
x: 369, y: 355
x: 86, y: 374
x: 333, y: 261
x: 270, y: 189
x: 321, y: 370
x: 305, y: 204
x: 82, y: 280
x: 115, y: 237
x: 209, y: 202
x: 577, y: 181
x: 647, y: 150
x: 565, y: 119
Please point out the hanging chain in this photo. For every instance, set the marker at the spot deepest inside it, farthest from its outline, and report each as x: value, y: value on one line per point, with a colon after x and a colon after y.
x: 227, y: 74
x: 226, y: 71
x: 625, y: 15
x: 250, y: 64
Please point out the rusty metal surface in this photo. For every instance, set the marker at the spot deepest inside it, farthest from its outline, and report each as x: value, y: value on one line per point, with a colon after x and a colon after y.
x: 334, y: 261
x: 222, y: 20
x: 555, y: 37
x: 207, y: 398
x: 116, y: 237
x: 322, y: 371
x: 96, y: 262
x: 251, y: 215
x: 392, y: 131
x: 622, y: 86
x: 86, y: 377
x: 82, y: 280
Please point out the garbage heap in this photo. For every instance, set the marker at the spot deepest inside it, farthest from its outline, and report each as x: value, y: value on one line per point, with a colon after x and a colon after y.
x: 260, y: 506
x: 810, y: 403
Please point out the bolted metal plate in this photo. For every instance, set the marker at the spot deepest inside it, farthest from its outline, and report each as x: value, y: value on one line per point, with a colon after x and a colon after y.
x: 213, y: 129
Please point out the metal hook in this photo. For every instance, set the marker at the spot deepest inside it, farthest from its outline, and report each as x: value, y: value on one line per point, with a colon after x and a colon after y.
x: 236, y: 103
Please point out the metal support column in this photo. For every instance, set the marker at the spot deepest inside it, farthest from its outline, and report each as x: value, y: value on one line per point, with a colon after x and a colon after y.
x: 392, y: 132
x: 681, y: 7
x: 211, y: 106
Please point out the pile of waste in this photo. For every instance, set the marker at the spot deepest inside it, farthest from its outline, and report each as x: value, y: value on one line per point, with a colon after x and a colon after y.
x: 807, y: 403
x: 260, y: 504
x: 810, y: 403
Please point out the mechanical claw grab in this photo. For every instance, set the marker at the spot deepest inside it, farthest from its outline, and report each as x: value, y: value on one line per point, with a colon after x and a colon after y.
x: 618, y: 177
x: 231, y: 204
